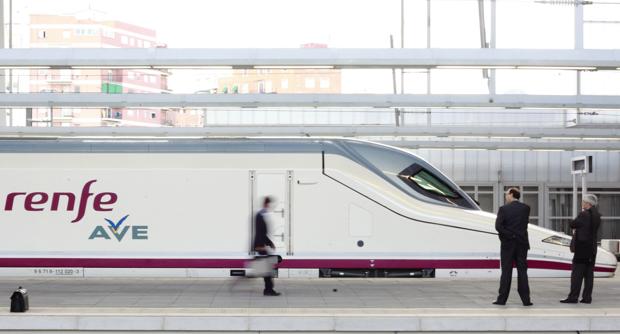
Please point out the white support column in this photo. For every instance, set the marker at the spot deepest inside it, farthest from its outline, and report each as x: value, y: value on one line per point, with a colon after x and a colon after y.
x: 578, y: 25
x: 2, y: 78
x: 584, y: 186
x: 10, y: 83
x: 578, y: 46
x: 429, y: 119
x: 493, y: 45
x: 402, y: 43
x: 400, y: 115
x: 397, y: 111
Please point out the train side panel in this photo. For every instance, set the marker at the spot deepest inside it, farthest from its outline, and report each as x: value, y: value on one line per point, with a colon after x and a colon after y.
x: 173, y: 205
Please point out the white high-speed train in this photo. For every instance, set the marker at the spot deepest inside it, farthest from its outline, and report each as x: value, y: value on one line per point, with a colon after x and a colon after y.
x: 343, y: 208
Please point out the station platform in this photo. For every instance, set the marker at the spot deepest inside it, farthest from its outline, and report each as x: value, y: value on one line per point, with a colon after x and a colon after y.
x: 306, y: 305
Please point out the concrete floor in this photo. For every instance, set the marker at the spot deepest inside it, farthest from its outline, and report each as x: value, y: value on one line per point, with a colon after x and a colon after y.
x: 306, y: 305
x: 298, y: 293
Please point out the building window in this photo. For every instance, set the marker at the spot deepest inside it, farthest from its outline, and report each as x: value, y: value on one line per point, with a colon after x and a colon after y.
x: 310, y: 83
x: 324, y: 83
x: 151, y: 78
x: 483, y: 195
x: 561, y: 210
x: 268, y: 86
x: 284, y: 84
x: 132, y: 41
x: 66, y: 34
x: 147, y: 44
x: 139, y: 43
x: 41, y: 34
x: 124, y: 40
x: 245, y: 88
x: 153, y: 115
x: 65, y: 75
x: 131, y: 75
x: 108, y: 33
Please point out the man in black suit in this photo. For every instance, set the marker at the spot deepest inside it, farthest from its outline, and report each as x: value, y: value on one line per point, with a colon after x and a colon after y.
x: 511, y: 224
x: 586, y: 229
x: 262, y: 243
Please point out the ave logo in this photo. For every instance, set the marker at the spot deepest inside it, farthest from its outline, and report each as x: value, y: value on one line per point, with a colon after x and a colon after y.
x: 119, y: 232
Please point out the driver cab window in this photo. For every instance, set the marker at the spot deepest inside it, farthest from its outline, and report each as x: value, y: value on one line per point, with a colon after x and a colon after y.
x: 430, y: 183
x: 412, y: 175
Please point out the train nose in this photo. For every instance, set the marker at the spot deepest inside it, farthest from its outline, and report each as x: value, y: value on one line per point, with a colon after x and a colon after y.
x: 606, y: 261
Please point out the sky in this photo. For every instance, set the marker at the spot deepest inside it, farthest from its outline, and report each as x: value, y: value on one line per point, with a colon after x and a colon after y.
x: 368, y: 24
x: 344, y: 23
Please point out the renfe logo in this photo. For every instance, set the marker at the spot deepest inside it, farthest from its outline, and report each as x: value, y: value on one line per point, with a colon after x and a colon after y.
x: 39, y: 201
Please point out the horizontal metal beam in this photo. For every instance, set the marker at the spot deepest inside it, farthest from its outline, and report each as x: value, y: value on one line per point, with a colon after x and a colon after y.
x: 337, y: 58
x: 508, y: 145
x: 314, y: 131
x: 150, y: 100
x: 490, y: 144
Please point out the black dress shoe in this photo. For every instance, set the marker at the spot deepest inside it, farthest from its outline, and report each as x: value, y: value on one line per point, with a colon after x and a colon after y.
x: 497, y: 302
x: 528, y: 304
x: 569, y: 301
x: 586, y: 301
x: 271, y: 293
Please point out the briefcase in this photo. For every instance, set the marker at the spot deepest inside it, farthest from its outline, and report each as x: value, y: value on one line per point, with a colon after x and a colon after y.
x: 19, y: 300
x: 261, y: 266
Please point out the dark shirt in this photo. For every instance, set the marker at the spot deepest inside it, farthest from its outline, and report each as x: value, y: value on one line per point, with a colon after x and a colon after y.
x: 511, y: 223
x: 260, y: 231
x: 586, y: 229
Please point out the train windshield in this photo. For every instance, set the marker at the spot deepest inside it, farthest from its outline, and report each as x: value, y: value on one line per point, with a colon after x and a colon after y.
x: 413, y: 175
x: 429, y: 182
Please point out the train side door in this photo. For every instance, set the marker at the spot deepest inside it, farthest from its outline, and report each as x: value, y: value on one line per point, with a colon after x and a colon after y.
x: 276, y: 185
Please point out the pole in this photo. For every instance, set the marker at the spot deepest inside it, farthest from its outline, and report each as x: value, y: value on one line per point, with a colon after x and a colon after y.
x: 10, y: 47
x: 493, y: 45
x: 396, y: 110
x: 28, y: 116
x: 584, y: 187
x: 483, y: 35
x: 575, y: 209
x: 578, y: 25
x: 578, y: 46
x: 402, y: 43
x: 400, y: 113
x: 2, y: 76
x: 428, y: 46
